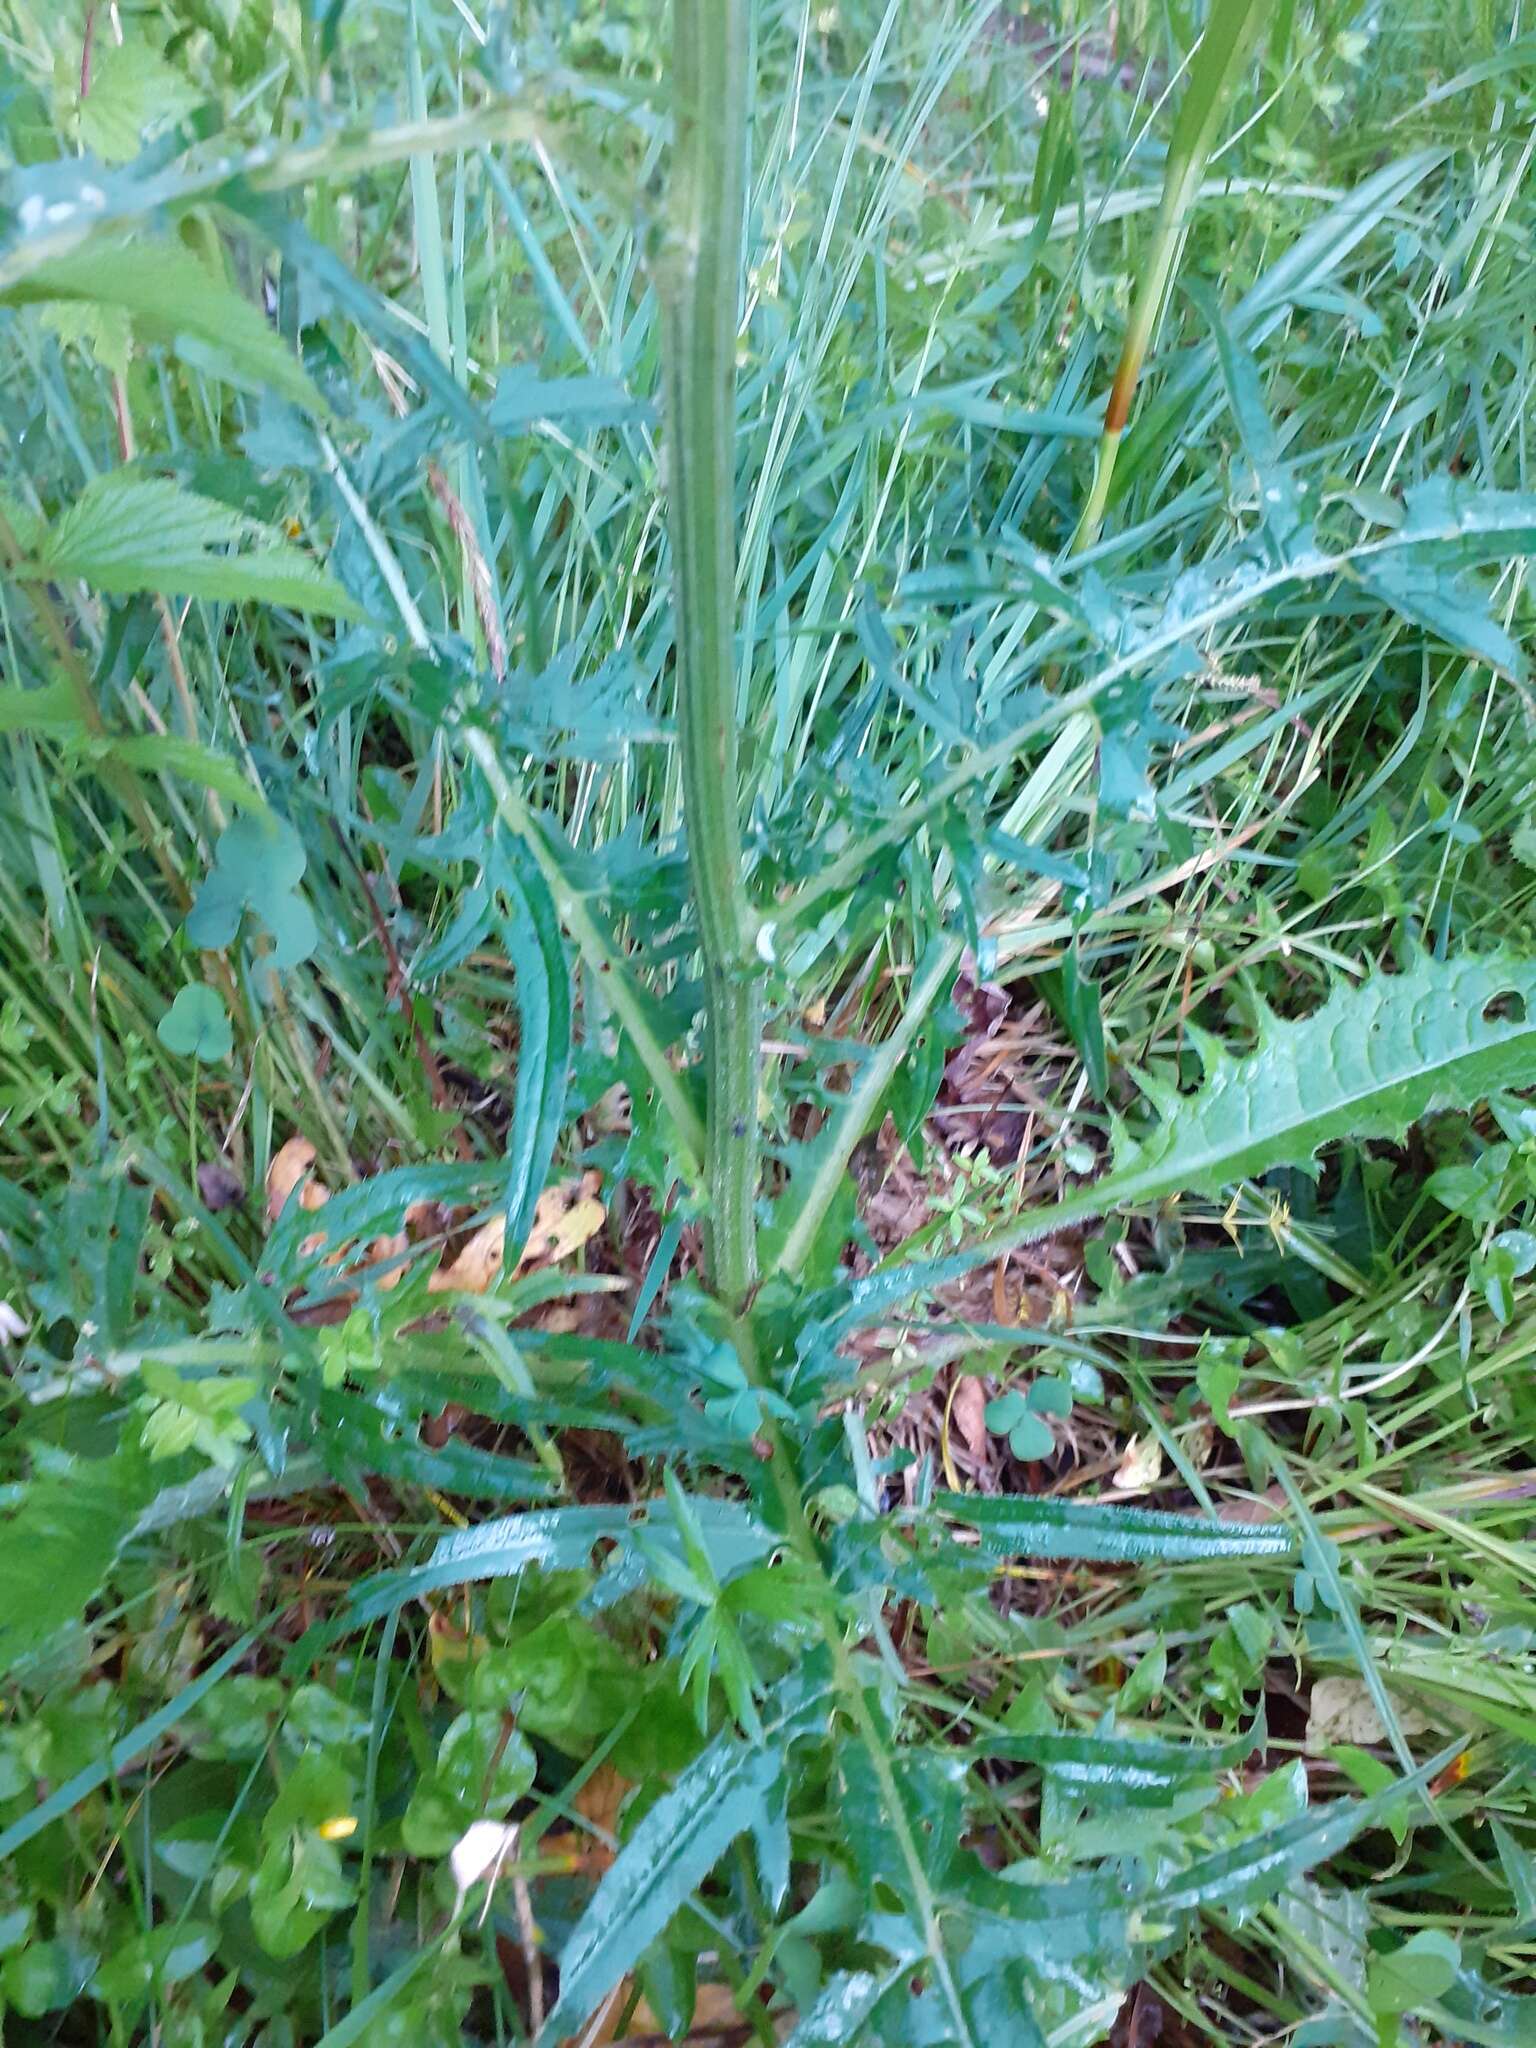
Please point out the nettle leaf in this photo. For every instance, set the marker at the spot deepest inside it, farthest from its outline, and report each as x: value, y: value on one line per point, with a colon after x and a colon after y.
x: 129, y: 534
x: 132, y: 91
x: 170, y: 295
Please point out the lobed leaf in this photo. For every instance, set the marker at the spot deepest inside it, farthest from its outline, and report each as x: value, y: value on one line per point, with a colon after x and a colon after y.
x: 543, y: 984
x: 1377, y: 1057
x: 554, y: 1539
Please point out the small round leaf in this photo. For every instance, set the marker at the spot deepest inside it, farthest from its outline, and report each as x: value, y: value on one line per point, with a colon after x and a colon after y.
x: 197, y: 1025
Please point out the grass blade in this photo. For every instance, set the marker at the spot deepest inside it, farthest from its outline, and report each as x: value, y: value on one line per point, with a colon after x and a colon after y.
x: 1020, y: 1526
x: 1230, y: 32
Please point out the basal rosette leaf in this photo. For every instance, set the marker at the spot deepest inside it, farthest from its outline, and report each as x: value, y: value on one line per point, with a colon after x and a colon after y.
x: 1369, y: 1064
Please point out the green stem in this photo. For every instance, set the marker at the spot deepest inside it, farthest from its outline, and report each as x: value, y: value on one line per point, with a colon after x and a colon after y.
x: 1179, y: 186
x: 698, y: 279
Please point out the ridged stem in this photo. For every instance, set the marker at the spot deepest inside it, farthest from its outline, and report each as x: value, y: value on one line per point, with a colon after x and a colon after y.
x: 698, y: 276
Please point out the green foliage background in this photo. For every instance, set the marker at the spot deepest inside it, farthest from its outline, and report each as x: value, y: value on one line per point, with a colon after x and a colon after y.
x: 344, y: 799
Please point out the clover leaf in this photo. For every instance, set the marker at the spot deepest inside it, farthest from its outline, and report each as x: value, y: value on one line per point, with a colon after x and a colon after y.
x: 1021, y: 1416
x: 257, y: 867
x: 197, y: 1025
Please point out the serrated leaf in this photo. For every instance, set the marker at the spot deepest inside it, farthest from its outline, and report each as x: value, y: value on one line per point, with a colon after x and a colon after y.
x: 129, y: 534
x: 523, y: 398
x: 51, y: 708
x: 103, y: 331
x: 1102, y: 1913
x: 382, y: 1434
x: 1445, y: 603
x: 1131, y: 1772
x: 839, y: 2016
x: 164, y: 754
x: 1370, y: 1063
x: 557, y: 1539
x: 721, y: 1795
x: 167, y: 293
x: 1264, y: 1864
x: 1279, y: 503
x: 132, y: 91
x: 1465, y: 523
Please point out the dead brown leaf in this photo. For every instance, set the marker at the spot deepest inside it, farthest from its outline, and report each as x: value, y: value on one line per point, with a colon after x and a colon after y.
x: 601, y: 1800
x: 566, y: 1216
x: 219, y: 1185
x: 477, y: 1263
x: 563, y: 1220
x: 389, y: 1251
x: 1141, y: 1465
x: 1269, y: 1506
x: 969, y: 1414
x: 1343, y: 1710
x: 290, y: 1167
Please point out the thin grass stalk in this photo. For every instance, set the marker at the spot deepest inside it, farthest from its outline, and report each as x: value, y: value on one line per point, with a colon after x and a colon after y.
x: 1213, y: 74
x: 698, y: 278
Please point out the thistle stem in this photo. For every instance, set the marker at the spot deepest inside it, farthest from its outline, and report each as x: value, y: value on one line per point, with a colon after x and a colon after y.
x: 698, y: 277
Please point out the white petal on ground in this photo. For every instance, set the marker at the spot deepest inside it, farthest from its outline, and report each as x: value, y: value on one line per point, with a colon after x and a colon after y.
x: 480, y: 1851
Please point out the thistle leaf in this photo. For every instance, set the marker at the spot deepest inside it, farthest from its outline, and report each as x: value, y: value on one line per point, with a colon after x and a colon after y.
x: 1369, y: 1064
